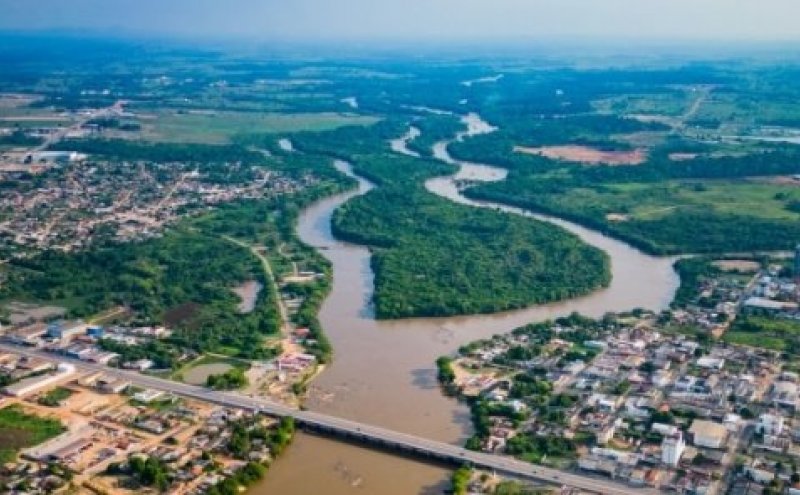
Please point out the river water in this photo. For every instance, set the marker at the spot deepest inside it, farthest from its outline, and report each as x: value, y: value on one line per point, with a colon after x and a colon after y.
x: 383, y: 371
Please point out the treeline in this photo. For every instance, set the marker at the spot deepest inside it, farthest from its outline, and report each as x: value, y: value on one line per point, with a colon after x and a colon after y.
x: 123, y: 149
x: 691, y: 271
x: 434, y: 128
x: 232, y: 379
x: 19, y: 138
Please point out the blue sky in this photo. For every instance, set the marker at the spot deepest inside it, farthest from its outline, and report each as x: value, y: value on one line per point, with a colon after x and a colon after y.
x: 417, y: 20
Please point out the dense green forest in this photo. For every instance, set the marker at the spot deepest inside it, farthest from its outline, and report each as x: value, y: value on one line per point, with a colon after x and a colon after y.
x: 502, y: 262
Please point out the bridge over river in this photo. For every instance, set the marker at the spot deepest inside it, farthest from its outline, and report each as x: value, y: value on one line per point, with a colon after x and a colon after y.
x: 367, y: 434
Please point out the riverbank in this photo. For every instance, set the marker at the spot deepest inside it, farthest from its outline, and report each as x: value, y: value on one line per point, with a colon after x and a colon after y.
x: 384, y: 371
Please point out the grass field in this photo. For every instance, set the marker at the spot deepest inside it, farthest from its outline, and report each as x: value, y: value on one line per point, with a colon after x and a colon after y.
x: 219, y: 127
x: 778, y: 335
x: 55, y: 397
x: 670, y: 104
x: 639, y: 201
x: 19, y: 430
x: 689, y: 216
x: 197, y: 371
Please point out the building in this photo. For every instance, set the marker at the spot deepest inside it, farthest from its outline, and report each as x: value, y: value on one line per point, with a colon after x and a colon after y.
x: 770, y: 424
x: 708, y: 434
x: 28, y: 335
x: 37, y: 383
x: 66, y: 330
x: 769, y: 304
x: 112, y: 385
x: 95, y: 332
x: 784, y: 394
x: 672, y: 448
x: 797, y: 262
x: 56, y: 156
x: 147, y: 396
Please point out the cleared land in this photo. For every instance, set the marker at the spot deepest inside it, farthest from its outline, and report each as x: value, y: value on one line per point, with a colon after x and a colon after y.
x: 212, y: 127
x: 587, y: 155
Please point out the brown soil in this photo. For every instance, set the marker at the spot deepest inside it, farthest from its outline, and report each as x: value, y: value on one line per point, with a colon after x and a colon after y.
x: 781, y: 180
x: 588, y: 155
x: 14, y: 439
x: 746, y: 266
x: 181, y: 314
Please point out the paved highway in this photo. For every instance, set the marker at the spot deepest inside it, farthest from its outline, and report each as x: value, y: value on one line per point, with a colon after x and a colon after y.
x: 374, y: 434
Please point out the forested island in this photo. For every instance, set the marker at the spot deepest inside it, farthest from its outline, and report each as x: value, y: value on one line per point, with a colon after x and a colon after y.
x: 432, y: 257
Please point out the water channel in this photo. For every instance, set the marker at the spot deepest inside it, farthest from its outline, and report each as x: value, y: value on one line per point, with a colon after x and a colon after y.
x: 383, y: 371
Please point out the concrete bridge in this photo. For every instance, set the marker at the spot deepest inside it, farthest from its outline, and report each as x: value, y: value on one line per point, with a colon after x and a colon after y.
x: 367, y: 434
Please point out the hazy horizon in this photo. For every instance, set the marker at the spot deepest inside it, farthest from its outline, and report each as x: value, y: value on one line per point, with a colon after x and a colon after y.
x: 416, y: 20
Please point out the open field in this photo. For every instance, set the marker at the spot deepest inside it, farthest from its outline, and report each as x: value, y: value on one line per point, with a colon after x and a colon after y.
x: 196, y: 372
x: 648, y: 201
x: 744, y: 266
x: 668, y: 104
x: 587, y: 155
x: 722, y: 215
x: 212, y: 127
x: 779, y: 335
x: 19, y: 430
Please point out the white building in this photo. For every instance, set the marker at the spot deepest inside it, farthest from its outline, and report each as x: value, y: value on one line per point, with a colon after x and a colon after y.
x: 711, y: 363
x: 665, y: 430
x: 37, y: 383
x: 672, y: 448
x: 770, y: 424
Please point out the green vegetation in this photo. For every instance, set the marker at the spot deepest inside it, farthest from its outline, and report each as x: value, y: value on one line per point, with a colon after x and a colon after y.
x: 19, y: 430
x: 533, y: 448
x: 769, y: 333
x: 18, y: 138
x: 445, y: 373
x: 215, y: 127
x: 143, y: 472
x: 277, y: 439
x: 251, y: 473
x: 434, y: 128
x: 184, y: 278
x: 459, y: 481
x: 691, y: 271
x: 516, y: 488
x: 164, y: 152
x: 501, y: 263
x: 666, y: 217
x: 230, y: 380
x: 55, y: 397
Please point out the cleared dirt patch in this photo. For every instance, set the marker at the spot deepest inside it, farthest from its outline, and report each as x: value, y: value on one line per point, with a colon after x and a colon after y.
x: 780, y: 180
x: 248, y: 293
x: 181, y: 314
x: 682, y: 157
x: 617, y: 217
x: 588, y: 155
x: 744, y: 266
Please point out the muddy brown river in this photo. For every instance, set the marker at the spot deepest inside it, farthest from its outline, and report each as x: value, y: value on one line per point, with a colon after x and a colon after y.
x: 383, y: 371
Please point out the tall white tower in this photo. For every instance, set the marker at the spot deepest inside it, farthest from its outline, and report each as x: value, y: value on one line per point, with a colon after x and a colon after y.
x: 672, y: 449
